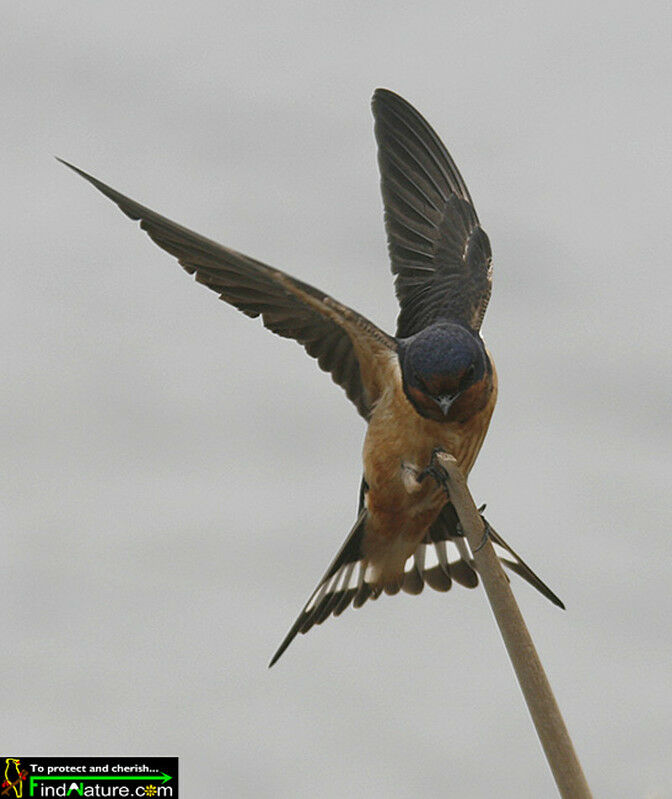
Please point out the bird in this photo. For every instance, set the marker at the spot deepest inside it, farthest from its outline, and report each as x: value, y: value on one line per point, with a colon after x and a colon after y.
x: 13, y: 777
x: 431, y: 387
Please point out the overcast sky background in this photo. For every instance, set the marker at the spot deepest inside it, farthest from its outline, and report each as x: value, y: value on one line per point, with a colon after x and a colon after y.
x: 175, y: 478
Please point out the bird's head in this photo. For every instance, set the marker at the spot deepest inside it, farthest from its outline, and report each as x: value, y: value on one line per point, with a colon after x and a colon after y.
x: 442, y: 366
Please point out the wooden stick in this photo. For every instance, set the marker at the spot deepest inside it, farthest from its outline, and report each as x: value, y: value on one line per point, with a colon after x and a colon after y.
x: 541, y: 703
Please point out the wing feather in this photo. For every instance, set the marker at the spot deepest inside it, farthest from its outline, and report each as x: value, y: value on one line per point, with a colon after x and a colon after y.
x: 344, y: 343
x: 440, y: 255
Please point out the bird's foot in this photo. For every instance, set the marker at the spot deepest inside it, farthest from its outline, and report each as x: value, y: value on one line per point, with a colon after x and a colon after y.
x: 436, y: 471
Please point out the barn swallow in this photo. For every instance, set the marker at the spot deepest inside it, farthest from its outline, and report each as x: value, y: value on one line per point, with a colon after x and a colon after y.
x: 431, y: 387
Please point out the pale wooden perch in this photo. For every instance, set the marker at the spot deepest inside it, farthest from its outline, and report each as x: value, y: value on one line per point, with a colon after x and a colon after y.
x: 541, y: 703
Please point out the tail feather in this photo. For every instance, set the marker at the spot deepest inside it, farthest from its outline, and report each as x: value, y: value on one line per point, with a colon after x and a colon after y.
x: 522, y: 569
x: 344, y: 581
x: 442, y: 558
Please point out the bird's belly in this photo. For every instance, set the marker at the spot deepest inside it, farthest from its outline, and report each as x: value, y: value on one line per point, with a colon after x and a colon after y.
x: 394, y: 457
x: 398, y: 446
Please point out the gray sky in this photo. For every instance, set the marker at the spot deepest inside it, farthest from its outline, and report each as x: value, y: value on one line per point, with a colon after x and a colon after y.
x: 176, y: 479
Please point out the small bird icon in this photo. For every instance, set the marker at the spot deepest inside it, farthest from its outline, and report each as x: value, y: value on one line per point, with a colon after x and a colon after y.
x: 431, y: 387
x: 13, y: 777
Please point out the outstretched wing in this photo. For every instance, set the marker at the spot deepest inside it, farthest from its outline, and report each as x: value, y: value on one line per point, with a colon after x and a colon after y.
x: 442, y: 558
x: 344, y: 343
x: 440, y: 254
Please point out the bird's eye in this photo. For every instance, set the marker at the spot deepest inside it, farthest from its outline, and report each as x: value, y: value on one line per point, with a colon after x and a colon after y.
x: 468, y: 374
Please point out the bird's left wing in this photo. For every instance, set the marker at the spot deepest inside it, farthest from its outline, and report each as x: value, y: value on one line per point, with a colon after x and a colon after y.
x: 344, y: 343
x: 440, y: 254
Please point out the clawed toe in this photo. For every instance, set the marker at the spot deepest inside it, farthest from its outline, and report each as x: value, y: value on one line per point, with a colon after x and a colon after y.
x: 432, y: 471
x: 436, y: 471
x: 433, y: 459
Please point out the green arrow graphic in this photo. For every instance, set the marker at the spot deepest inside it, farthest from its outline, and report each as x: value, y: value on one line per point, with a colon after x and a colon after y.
x: 162, y: 778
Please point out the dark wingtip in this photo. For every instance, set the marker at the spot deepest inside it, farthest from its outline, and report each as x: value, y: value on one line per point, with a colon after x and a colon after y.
x: 73, y: 167
x: 381, y: 96
x: 382, y: 92
x: 108, y: 191
x: 131, y: 208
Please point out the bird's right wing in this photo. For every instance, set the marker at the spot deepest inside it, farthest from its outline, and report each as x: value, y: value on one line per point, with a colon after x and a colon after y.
x: 344, y: 343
